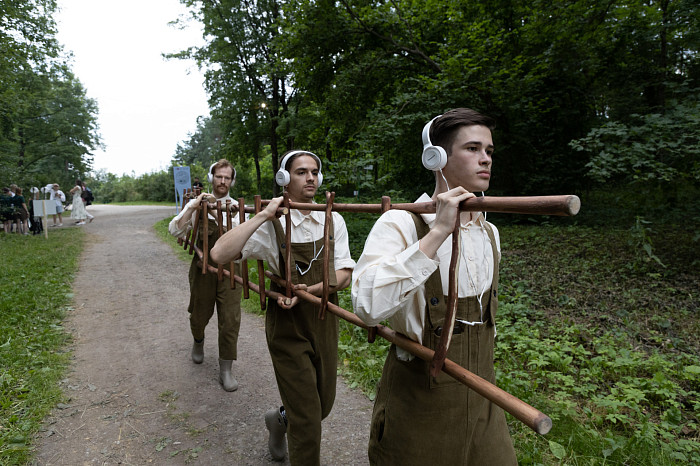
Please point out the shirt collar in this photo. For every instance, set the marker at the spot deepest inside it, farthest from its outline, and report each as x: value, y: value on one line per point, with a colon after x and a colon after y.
x: 315, y: 215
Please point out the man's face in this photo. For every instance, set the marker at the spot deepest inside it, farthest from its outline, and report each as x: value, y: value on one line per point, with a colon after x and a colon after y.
x: 303, y: 179
x: 223, y: 177
x: 55, y: 187
x: 469, y: 164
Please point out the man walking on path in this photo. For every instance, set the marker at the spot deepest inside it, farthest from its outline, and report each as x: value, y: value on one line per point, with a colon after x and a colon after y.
x: 206, y: 290
x: 403, y: 276
x: 303, y: 348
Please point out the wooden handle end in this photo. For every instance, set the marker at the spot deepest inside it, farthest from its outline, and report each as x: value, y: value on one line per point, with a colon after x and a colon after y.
x: 574, y: 205
x: 543, y: 424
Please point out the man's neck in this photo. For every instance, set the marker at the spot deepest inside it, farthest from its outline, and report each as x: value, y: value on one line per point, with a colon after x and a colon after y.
x: 302, y: 201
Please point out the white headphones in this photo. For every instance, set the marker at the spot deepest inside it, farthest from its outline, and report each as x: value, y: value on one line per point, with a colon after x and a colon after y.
x: 283, y: 177
x: 434, y: 157
x: 210, y: 175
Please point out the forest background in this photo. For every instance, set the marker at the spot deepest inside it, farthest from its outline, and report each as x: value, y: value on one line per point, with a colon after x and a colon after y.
x: 598, y: 99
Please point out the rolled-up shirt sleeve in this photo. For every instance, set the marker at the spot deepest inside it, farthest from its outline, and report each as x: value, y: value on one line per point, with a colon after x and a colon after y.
x: 342, y: 257
x: 180, y: 232
x: 173, y: 227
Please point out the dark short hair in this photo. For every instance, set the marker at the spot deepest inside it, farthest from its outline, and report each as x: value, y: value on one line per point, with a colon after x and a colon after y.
x: 444, y: 129
x: 289, y: 162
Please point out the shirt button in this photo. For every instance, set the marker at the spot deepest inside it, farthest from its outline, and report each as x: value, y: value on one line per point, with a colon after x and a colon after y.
x: 425, y: 272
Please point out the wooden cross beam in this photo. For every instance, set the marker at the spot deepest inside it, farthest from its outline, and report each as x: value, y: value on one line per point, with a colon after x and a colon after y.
x: 566, y: 205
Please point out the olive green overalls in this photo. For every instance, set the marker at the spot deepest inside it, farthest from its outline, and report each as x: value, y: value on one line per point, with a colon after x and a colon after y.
x: 207, y: 290
x: 418, y: 419
x: 304, y: 352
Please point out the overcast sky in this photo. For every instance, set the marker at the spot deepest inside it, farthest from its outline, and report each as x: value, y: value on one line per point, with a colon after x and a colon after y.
x: 146, y: 104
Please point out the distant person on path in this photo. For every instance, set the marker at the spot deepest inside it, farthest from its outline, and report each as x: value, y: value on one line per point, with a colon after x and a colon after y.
x: 7, y: 210
x: 59, y: 198
x: 21, y: 215
x: 87, y: 196
x: 78, y: 211
x: 206, y: 290
x: 196, y: 184
x: 402, y: 276
x: 303, y: 348
x: 37, y: 226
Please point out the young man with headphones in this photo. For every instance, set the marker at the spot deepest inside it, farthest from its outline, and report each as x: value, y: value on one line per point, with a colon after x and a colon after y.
x: 303, y: 348
x: 402, y: 276
x: 206, y: 291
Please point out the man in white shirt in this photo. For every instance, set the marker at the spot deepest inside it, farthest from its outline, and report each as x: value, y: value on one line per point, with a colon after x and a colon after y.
x: 206, y: 290
x: 402, y: 277
x: 303, y: 348
x: 59, y: 198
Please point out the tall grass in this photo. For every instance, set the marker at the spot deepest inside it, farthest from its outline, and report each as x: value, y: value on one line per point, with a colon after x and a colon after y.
x: 35, y: 291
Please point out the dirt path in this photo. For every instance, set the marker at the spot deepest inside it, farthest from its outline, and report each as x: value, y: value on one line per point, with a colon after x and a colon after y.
x: 135, y: 395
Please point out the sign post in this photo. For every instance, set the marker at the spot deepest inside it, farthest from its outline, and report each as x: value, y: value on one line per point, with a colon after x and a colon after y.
x: 182, y: 182
x: 43, y: 209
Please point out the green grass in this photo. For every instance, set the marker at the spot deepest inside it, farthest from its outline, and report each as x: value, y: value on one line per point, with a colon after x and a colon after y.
x: 598, y: 327
x: 35, y: 292
x: 595, y: 332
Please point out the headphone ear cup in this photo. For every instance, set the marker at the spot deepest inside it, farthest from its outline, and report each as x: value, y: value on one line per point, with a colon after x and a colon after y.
x: 210, y: 175
x: 434, y: 157
x: 320, y: 178
x: 282, y: 177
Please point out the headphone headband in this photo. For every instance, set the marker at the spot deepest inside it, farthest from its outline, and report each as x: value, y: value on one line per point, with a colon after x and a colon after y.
x: 283, y: 177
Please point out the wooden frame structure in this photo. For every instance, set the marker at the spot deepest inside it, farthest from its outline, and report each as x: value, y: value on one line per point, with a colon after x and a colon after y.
x: 566, y: 205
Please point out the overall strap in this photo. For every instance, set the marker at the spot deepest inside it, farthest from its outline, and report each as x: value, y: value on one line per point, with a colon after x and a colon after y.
x: 494, y: 250
x: 435, y: 299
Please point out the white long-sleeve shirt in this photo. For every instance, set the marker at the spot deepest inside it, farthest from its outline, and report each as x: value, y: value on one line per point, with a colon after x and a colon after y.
x: 388, y: 282
x: 180, y: 232
x: 262, y: 244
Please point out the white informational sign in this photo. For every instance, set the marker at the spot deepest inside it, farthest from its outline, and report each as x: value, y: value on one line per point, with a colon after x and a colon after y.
x: 39, y: 207
x: 182, y: 182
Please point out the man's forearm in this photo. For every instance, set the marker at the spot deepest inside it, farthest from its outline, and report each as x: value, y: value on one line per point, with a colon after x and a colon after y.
x: 229, y: 247
x: 342, y: 276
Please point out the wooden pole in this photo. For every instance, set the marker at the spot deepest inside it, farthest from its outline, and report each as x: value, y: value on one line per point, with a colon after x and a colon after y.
x: 532, y: 417
x: 244, y: 263
x: 326, y: 254
x: 220, y: 221
x: 564, y: 205
x: 229, y: 225
x: 46, y: 218
x: 287, y: 247
x: 205, y: 236
x: 451, y: 305
x: 261, y: 267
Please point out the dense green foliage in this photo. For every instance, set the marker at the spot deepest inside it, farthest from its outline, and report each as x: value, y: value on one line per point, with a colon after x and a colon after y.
x: 35, y: 291
x: 48, y: 126
x: 355, y: 81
